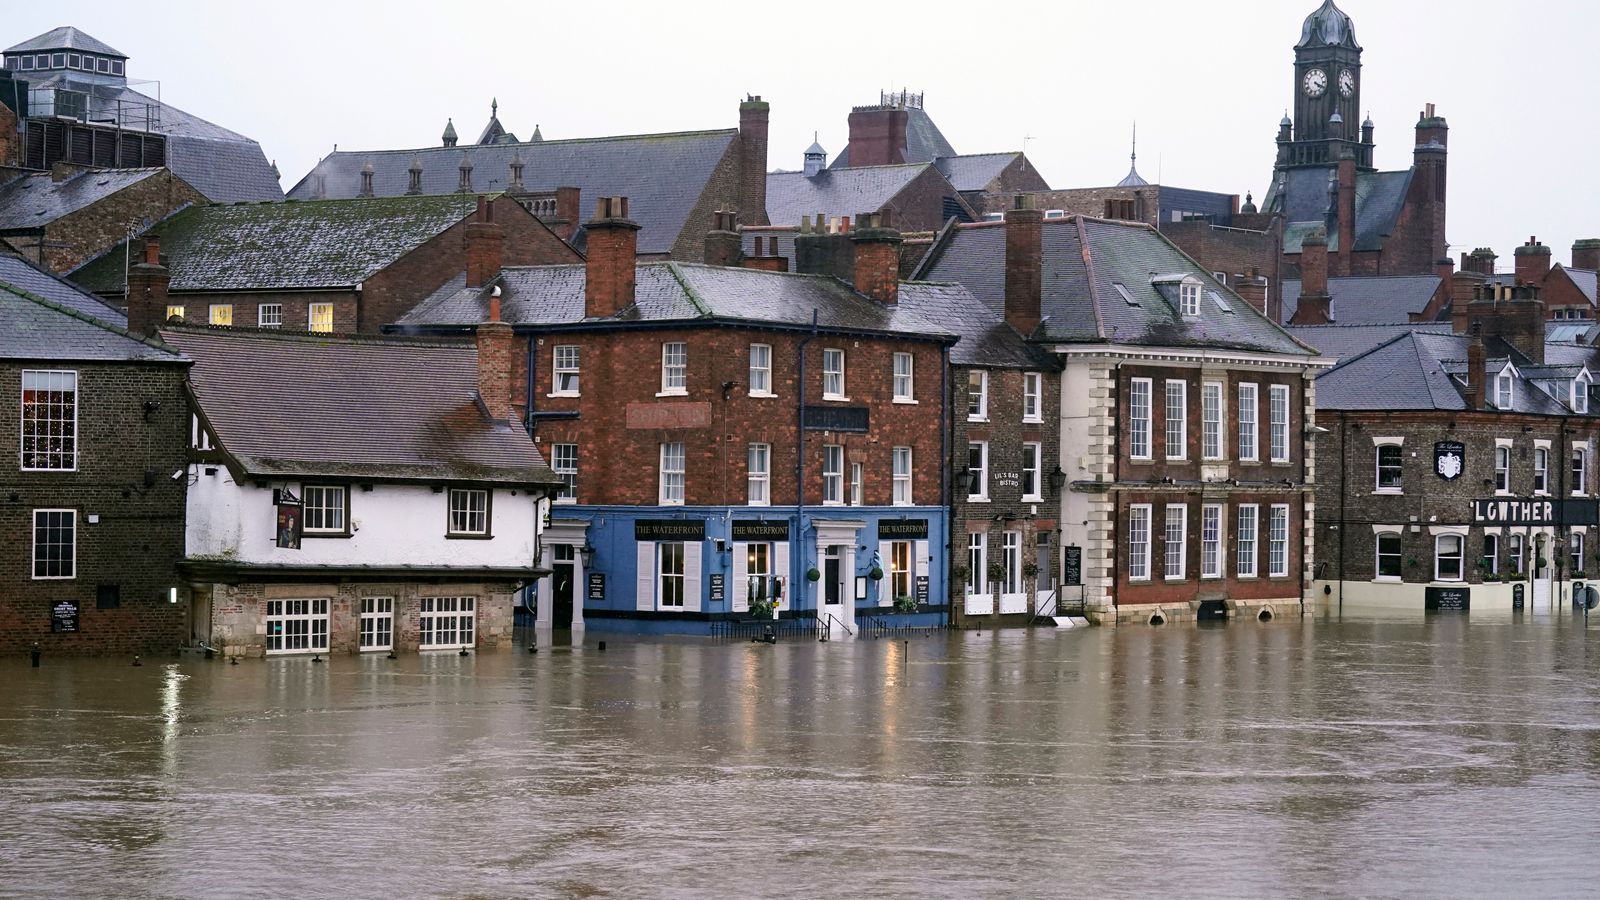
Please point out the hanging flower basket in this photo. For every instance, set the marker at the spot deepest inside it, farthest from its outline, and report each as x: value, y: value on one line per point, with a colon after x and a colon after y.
x: 812, y: 574
x: 876, y: 574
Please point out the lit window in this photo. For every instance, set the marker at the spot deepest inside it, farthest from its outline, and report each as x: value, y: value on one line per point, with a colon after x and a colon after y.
x: 669, y: 571
x: 832, y: 473
x: 564, y: 462
x: 1177, y: 418
x: 1247, y: 423
x: 566, y: 370
x: 55, y: 543
x: 1391, y: 468
x: 1032, y: 397
x: 900, y: 569
x: 833, y: 374
x: 174, y: 311
x: 297, y: 626
x: 1447, y: 557
x: 469, y: 511
x: 1139, y: 418
x: 1211, y: 541
x: 377, y: 623
x: 1176, y: 539
x: 674, y: 367
x: 672, y: 474
x: 977, y: 395
x: 1278, y: 541
x: 1278, y: 422
x: 902, y: 476
x: 1389, y: 554
x: 49, y: 421
x: 760, y: 370
x: 221, y: 314
x: 269, y: 315
x: 978, y: 470
x: 1211, y: 419
x: 325, y: 510
x: 319, y: 318
x: 902, y: 377
x: 445, y: 623
x: 1189, y: 295
x: 1139, y: 542
x: 758, y: 492
x: 1245, y: 562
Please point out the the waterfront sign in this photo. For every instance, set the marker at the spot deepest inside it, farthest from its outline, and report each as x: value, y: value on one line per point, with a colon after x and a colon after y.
x: 755, y: 530
x: 669, y: 529
x: 902, y: 528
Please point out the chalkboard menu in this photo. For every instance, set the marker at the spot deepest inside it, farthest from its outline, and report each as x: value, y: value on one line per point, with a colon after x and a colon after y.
x: 922, y: 590
x: 718, y: 592
x: 64, y: 617
x: 597, y: 585
x: 1447, y: 598
x: 1516, y: 596
x: 1073, y: 570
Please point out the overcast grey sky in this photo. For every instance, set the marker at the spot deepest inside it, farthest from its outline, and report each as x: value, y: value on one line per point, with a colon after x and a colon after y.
x: 1207, y: 81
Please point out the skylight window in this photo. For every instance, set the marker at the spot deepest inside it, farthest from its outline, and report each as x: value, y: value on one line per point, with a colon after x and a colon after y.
x: 1221, y: 303
x: 1122, y: 291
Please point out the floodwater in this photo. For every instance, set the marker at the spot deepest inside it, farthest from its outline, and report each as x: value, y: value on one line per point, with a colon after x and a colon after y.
x: 1404, y: 757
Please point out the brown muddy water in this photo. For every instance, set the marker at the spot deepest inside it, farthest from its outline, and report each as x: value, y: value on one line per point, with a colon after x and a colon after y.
x: 1403, y: 757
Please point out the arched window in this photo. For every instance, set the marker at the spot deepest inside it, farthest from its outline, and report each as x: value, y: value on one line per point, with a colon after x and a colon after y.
x: 1447, y: 557
x: 1388, y: 563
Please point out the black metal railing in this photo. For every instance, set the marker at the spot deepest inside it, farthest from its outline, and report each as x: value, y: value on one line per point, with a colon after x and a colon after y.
x: 756, y: 629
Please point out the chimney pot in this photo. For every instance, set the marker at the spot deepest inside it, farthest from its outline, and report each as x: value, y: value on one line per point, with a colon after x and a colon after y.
x: 611, y: 266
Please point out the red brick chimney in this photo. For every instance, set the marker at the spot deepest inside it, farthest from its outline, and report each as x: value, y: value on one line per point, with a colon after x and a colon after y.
x: 1480, y: 261
x: 485, y: 243
x: 1315, y: 306
x: 877, y: 249
x: 753, y: 113
x: 495, y: 360
x: 1445, y: 268
x: 1464, y: 288
x: 147, y: 290
x: 1252, y: 289
x: 722, y: 241
x: 568, y: 212
x: 1533, y: 262
x: 1586, y: 254
x: 613, y: 248
x: 878, y: 135
x: 1476, y: 376
x: 1024, y: 283
x: 1347, y: 211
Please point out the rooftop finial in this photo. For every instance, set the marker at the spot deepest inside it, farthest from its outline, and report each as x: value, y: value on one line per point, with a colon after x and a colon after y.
x: 494, y: 106
x: 1133, y: 179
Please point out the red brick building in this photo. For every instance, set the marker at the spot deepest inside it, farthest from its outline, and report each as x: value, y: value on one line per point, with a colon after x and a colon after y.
x: 70, y: 214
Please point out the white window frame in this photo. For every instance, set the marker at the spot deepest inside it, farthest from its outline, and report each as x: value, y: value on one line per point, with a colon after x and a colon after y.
x: 220, y: 314
x: 376, y: 626
x: 1460, y: 556
x: 1032, y: 472
x: 1175, y: 542
x: 323, y: 492
x: 269, y: 315
x: 1575, y: 549
x: 1379, y: 444
x: 312, y: 315
x: 1278, y: 417
x: 68, y: 458
x: 1491, y: 552
x: 900, y: 460
x: 1502, y: 466
x: 1213, y: 419
x: 466, y: 516
x: 1032, y: 397
x: 761, y: 370
x: 904, y: 378
x: 672, y: 478
x: 1505, y: 390
x: 1249, y: 422
x: 1278, y: 541
x: 447, y: 623
x: 1580, y: 470
x: 758, y: 475
x: 1246, y: 562
x: 1189, y: 298
x: 1211, y: 540
x: 832, y: 474
x: 1378, y: 554
x: 566, y: 370
x: 833, y: 386
x: 666, y: 575
x: 1139, y: 542
x: 1140, y: 439
x: 1580, y: 393
x: 978, y: 476
x: 72, y: 557
x: 857, y: 483
x: 1541, y: 468
x: 977, y: 562
x: 564, y: 462
x: 1176, y: 428
x: 1516, y: 551
x: 306, y: 616
x: 1011, y: 559
x: 979, y: 411
x: 674, y: 369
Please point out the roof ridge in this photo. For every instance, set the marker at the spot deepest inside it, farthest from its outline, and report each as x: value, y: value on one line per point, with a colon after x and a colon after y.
x: 544, y: 143
x: 317, y: 337
x: 88, y: 319
x: 695, y: 299
x: 1088, y: 266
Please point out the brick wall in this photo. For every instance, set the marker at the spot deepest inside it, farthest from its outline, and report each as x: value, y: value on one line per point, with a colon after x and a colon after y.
x: 919, y: 206
x: 1146, y: 201
x: 138, y: 539
x: 1232, y: 251
x: 724, y: 191
x: 74, y: 238
x: 246, y: 307
x: 623, y: 423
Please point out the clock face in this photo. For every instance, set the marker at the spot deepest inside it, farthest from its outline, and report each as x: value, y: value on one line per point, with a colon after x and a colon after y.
x: 1347, y: 82
x: 1316, y: 81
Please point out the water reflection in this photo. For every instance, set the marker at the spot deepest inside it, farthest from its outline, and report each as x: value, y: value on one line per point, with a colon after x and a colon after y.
x: 1374, y: 756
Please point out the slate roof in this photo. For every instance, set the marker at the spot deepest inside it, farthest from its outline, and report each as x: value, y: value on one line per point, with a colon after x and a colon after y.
x: 287, y: 246
x: 1369, y: 300
x: 684, y: 292
x: 662, y: 175
x: 66, y: 37
x: 23, y: 275
x: 986, y: 340
x: 284, y: 405
x: 37, y: 328
x: 835, y: 192
x: 1585, y: 280
x: 1336, y: 342
x: 1418, y: 370
x: 974, y: 171
x: 1084, y: 260
x: 1571, y: 331
x: 33, y: 201
x: 1308, y: 201
x: 924, y: 142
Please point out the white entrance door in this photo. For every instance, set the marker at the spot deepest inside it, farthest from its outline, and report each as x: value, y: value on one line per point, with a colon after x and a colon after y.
x: 1013, y: 598
x: 836, y: 606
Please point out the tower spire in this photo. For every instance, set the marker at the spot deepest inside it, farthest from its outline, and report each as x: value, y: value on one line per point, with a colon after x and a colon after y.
x: 1133, y: 179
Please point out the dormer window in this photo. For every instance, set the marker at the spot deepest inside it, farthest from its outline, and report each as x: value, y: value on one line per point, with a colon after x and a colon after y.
x: 1580, y: 393
x: 1504, y: 396
x: 1189, y: 298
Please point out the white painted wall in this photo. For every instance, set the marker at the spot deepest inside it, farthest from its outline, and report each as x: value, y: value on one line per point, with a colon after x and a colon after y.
x: 392, y: 525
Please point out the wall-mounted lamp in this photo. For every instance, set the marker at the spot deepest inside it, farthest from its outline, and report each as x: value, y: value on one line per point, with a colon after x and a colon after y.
x: 587, y: 552
x: 1057, y: 478
x: 959, y: 481
x: 150, y: 407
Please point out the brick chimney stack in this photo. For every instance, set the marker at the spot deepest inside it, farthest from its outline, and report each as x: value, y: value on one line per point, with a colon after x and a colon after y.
x: 1476, y: 376
x: 613, y: 250
x: 495, y: 360
x: 1480, y: 261
x: 878, y: 134
x: 722, y: 241
x: 147, y: 290
x: 877, y: 247
x: 1315, y: 306
x: 823, y: 248
x: 1428, y: 190
x: 1024, y: 283
x: 1252, y: 289
x: 1533, y: 262
x: 1513, y: 314
x: 1586, y: 254
x: 753, y: 114
x: 485, y: 244
x: 1347, y: 210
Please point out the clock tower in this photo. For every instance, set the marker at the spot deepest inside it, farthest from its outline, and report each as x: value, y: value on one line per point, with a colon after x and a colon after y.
x: 1327, y: 94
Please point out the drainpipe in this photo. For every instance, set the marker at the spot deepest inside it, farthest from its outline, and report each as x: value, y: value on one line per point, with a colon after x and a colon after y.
x: 1344, y: 467
x: 800, y: 464
x: 946, y: 425
x: 1116, y: 477
x: 527, y: 417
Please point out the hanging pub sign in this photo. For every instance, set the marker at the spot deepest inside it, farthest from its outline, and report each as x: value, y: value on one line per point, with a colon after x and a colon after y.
x: 290, y: 524
x: 902, y: 528
x: 753, y: 530
x: 64, y: 617
x: 1449, y: 459
x: 669, y: 529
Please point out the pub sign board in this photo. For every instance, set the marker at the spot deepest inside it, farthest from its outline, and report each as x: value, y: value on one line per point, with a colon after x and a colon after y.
x: 290, y: 522
x: 902, y: 528
x: 64, y: 617
x: 718, y: 587
x: 1073, y: 567
x: 1449, y: 459
x: 922, y: 590
x: 754, y: 530
x: 597, y: 585
x: 1446, y: 598
x: 669, y: 529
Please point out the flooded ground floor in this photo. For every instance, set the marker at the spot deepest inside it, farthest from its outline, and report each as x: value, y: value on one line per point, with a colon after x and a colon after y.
x: 1409, y: 754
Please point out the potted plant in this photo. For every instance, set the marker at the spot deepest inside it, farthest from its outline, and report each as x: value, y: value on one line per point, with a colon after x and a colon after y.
x: 959, y: 573
x: 1030, y: 570
x: 905, y: 603
x: 997, y: 572
x: 761, y: 609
